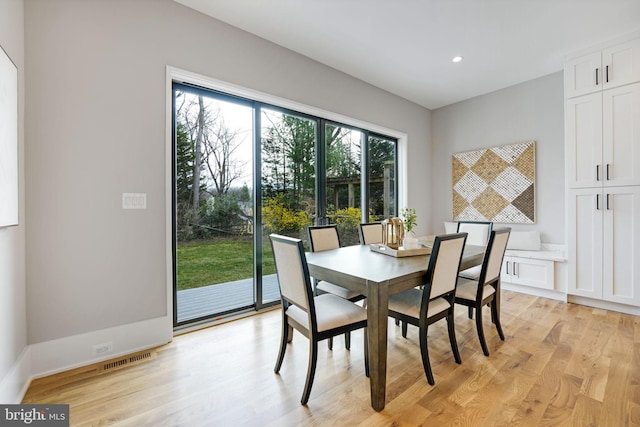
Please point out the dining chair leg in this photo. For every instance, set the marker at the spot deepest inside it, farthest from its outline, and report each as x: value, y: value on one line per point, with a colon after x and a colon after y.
x: 311, y: 370
x: 330, y: 343
x: 480, y: 329
x: 496, y: 316
x: 404, y: 329
x: 470, y: 312
x: 290, y: 334
x: 283, y: 346
x: 452, y: 338
x: 425, y: 356
x: 347, y: 340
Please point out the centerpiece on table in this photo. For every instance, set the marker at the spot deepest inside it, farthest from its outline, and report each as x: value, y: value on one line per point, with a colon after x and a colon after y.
x: 398, y: 238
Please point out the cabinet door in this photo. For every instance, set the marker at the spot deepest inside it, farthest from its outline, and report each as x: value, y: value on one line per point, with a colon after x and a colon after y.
x: 507, y: 269
x: 622, y: 245
x: 533, y: 272
x: 621, y: 135
x: 583, y: 75
x: 584, y: 229
x: 583, y: 141
x: 621, y: 64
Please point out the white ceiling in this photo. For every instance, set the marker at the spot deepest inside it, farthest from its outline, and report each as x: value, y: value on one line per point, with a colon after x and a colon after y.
x: 406, y: 46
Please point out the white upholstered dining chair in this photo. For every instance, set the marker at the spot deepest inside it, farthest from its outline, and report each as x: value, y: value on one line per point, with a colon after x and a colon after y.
x: 370, y: 233
x: 315, y: 317
x: 323, y: 238
x: 435, y: 301
x: 479, y: 232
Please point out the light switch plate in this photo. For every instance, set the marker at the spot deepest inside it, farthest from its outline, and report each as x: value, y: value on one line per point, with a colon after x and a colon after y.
x: 134, y: 200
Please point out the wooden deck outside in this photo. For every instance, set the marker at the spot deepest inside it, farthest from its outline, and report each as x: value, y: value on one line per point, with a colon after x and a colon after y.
x: 223, y: 297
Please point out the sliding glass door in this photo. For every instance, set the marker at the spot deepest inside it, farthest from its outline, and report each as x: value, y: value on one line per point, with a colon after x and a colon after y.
x: 243, y: 170
x: 288, y: 182
x: 213, y: 205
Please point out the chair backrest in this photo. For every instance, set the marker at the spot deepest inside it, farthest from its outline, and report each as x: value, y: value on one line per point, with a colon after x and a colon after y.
x: 323, y: 237
x: 292, y: 271
x: 444, y: 264
x: 478, y: 231
x: 370, y: 232
x: 492, y: 262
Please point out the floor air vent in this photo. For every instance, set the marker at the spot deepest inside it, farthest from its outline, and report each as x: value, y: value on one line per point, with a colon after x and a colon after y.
x: 113, y: 364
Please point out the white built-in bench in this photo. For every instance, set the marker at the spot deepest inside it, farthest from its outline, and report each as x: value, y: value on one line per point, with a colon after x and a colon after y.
x: 530, y: 266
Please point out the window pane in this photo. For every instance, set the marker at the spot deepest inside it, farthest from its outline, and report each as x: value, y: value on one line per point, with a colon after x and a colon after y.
x: 382, y: 178
x: 214, y: 209
x: 288, y: 181
x: 343, y: 186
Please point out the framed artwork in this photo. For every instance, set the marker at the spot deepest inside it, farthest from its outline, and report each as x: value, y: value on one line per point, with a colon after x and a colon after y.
x: 495, y: 184
x: 8, y: 141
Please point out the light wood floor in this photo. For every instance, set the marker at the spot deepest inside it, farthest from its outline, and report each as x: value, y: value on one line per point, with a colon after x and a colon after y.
x: 561, y: 364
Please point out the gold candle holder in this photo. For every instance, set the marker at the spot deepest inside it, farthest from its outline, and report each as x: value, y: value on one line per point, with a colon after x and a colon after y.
x: 393, y: 232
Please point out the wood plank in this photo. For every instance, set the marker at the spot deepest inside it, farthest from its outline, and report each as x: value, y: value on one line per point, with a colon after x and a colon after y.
x: 561, y: 364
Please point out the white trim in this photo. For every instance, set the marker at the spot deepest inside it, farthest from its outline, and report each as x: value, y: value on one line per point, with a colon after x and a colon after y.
x: 75, y: 351
x: 14, y: 385
x: 605, y: 305
x: 168, y: 194
x: 538, y: 292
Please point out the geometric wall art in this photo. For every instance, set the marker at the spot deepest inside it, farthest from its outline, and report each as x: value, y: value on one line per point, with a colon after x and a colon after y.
x: 8, y: 141
x: 495, y: 184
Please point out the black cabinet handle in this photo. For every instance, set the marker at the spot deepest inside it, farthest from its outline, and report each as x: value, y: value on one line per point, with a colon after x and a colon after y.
x: 597, y: 202
x: 596, y: 77
x: 608, y: 208
x: 608, y: 172
x: 507, y: 267
x: 597, y: 172
x: 606, y: 74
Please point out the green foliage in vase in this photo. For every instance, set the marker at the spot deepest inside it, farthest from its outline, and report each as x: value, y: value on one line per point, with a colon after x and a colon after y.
x: 409, y: 217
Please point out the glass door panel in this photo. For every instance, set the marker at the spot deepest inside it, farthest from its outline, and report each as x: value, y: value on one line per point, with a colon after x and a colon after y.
x: 213, y: 206
x: 382, y: 178
x: 343, y: 154
x: 288, y: 196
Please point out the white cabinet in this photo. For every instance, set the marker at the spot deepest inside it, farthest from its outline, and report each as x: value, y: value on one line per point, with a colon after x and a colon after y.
x: 612, y: 67
x: 604, y: 244
x: 583, y: 141
x: 621, y: 136
x: 538, y: 273
x: 602, y: 160
x: 602, y: 137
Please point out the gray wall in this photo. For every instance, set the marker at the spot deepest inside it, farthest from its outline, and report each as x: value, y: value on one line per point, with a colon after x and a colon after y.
x: 95, y: 128
x: 529, y: 111
x: 13, y: 320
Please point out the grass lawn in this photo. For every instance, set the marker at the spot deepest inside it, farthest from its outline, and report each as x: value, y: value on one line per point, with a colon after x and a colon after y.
x: 203, y: 263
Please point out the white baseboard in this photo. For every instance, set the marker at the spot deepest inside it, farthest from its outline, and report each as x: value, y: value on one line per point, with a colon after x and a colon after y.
x: 66, y: 353
x: 606, y: 305
x: 538, y: 292
x: 14, y: 385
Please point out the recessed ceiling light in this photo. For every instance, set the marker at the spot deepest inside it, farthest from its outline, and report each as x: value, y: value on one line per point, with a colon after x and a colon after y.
x: 457, y: 58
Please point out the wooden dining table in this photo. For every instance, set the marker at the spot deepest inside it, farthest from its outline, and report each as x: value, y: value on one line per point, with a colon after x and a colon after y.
x: 377, y: 276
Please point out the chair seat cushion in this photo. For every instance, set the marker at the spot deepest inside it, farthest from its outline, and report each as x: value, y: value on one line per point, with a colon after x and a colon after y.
x: 471, y: 273
x: 336, y: 290
x: 331, y: 312
x: 467, y: 289
x: 408, y: 303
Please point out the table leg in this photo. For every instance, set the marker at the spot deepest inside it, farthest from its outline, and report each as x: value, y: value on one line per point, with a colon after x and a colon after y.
x: 377, y: 312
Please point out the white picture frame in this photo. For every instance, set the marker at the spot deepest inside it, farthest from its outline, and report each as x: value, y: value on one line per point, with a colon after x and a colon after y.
x: 8, y: 141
